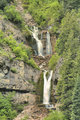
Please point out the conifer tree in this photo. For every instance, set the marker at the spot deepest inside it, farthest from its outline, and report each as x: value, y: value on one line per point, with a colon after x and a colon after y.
x: 76, y: 101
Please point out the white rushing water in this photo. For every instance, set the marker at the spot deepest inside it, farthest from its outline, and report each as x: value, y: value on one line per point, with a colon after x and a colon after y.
x: 47, y: 81
x: 41, y: 35
x: 47, y: 86
x: 48, y: 45
x: 39, y: 43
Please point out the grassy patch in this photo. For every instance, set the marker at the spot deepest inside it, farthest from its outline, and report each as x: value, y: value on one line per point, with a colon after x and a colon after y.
x: 25, y: 118
x: 13, y: 70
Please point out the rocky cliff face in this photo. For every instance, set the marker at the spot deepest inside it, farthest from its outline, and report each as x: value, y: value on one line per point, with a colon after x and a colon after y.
x: 43, y: 37
x: 10, y: 29
x: 16, y: 75
x: 56, y: 76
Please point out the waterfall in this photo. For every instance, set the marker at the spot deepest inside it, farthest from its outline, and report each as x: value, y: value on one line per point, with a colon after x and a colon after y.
x: 47, y: 86
x: 48, y: 45
x: 47, y: 81
x: 41, y: 35
x: 39, y: 43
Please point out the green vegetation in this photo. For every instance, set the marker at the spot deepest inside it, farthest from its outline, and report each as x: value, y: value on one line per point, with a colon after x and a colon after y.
x: 13, y: 15
x: 71, y: 4
x: 68, y: 38
x: 68, y: 47
x: 9, y: 12
x: 19, y: 107
x: 39, y: 89
x: 76, y: 101
x: 20, y: 51
x: 9, y: 110
x: 55, y: 115
x: 45, y: 12
x: 6, y: 110
x: 13, y: 70
x: 53, y: 61
x: 4, y: 53
x: 25, y: 118
x: 64, y: 18
x: 3, y: 3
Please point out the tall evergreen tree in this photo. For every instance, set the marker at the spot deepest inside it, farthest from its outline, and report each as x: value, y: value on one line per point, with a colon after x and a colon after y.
x: 76, y: 101
x: 68, y: 45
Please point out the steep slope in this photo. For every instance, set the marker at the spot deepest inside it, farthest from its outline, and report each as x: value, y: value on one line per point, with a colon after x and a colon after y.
x: 18, y: 71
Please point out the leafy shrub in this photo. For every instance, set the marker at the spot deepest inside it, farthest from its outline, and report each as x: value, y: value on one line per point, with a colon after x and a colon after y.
x: 19, y: 107
x: 3, y: 3
x: 21, y: 52
x: 55, y: 115
x: 25, y: 118
x: 3, y: 117
x: 13, y: 15
x: 32, y: 63
x: 6, y: 110
x: 53, y: 61
x: 13, y: 70
x: 45, y: 12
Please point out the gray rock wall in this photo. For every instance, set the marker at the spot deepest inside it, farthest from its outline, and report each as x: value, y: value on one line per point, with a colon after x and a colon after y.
x: 17, y: 75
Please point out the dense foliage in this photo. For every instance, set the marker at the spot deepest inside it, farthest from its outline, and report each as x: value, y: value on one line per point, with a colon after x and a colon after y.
x: 68, y: 45
x: 3, y: 3
x: 45, y: 12
x: 13, y: 15
x: 63, y: 17
x: 6, y: 110
x: 53, y: 61
x: 76, y: 101
x: 55, y: 115
x: 20, y: 51
x: 71, y: 4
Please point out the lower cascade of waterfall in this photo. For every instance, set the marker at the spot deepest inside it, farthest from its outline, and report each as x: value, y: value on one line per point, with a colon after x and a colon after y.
x: 47, y: 88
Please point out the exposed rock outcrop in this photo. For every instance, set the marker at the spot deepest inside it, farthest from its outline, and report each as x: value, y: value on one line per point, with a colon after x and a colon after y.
x: 21, y: 98
x: 16, y: 75
x: 56, y: 76
x: 34, y: 113
x: 10, y: 29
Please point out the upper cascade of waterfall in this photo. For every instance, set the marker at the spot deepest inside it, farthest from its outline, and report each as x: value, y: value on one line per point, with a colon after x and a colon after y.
x: 46, y: 42
x: 47, y: 86
x: 48, y: 45
x: 41, y: 35
x: 39, y: 43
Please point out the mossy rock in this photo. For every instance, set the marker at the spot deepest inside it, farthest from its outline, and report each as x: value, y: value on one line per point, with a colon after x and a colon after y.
x: 14, y: 70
